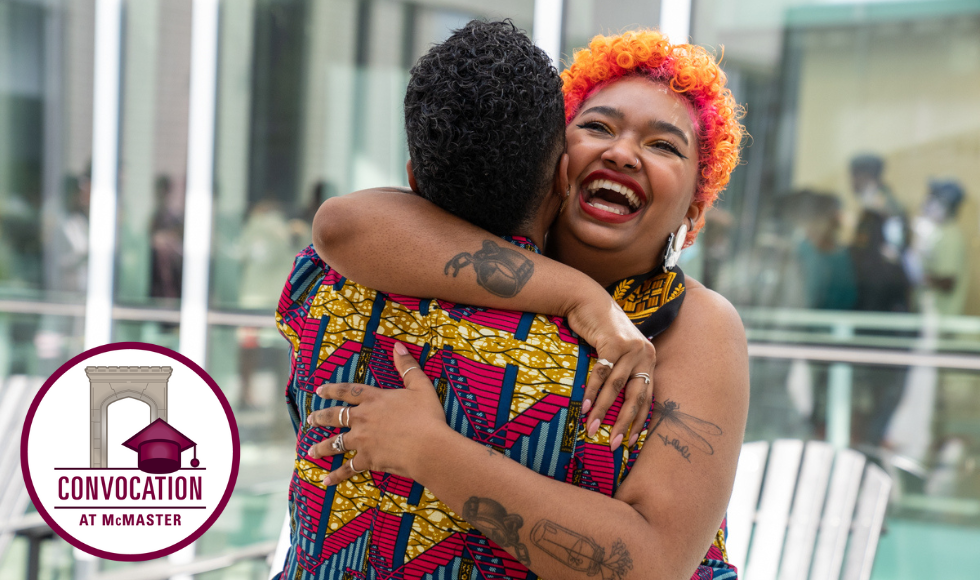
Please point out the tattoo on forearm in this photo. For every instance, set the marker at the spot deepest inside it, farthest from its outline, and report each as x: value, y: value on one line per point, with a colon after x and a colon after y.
x: 493, y: 520
x: 683, y: 431
x: 580, y: 553
x: 500, y: 270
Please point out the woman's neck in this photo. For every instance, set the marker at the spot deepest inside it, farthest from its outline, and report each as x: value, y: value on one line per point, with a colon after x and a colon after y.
x: 603, y: 266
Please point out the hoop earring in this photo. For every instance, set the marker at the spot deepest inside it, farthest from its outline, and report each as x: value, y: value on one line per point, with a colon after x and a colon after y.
x: 675, y: 243
x: 568, y: 192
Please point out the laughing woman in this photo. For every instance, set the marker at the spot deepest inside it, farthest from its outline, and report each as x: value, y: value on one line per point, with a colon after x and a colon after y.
x: 652, y: 137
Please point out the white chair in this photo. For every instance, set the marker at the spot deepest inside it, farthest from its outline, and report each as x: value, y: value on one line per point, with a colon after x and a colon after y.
x: 277, y: 558
x: 16, y: 394
x: 812, y: 501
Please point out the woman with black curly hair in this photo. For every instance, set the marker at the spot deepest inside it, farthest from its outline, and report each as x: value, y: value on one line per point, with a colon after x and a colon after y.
x: 652, y: 136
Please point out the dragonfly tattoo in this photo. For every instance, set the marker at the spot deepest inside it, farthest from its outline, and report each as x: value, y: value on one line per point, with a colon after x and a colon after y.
x: 683, y: 431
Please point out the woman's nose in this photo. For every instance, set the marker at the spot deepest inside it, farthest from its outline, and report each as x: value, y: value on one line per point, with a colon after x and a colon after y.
x: 621, y: 155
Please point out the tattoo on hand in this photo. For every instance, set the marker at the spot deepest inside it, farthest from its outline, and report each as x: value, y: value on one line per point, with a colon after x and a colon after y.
x: 500, y: 270
x: 501, y: 527
x: 686, y: 429
x: 580, y: 553
x: 356, y: 390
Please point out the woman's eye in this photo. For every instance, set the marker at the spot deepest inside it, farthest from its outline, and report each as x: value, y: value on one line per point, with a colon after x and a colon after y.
x: 595, y: 126
x: 669, y: 147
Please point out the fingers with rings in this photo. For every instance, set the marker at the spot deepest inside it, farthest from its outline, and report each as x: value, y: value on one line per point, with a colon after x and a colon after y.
x: 342, y: 473
x: 329, y: 447
x: 330, y: 418
x: 633, y: 412
x: 338, y: 444
x: 600, y: 371
x: 405, y: 372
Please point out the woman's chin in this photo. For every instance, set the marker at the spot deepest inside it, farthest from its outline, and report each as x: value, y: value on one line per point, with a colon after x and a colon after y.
x: 597, y: 235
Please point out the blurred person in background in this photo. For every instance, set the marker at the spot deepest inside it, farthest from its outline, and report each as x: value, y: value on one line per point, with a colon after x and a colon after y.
x: 942, y: 248
x: 74, y: 233
x: 824, y: 263
x: 167, y: 240
x: 879, y: 242
x: 267, y: 248
x: 878, y: 254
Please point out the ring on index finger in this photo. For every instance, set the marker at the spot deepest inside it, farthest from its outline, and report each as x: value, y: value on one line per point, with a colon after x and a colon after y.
x: 338, y: 444
x: 644, y: 376
x: 604, y: 362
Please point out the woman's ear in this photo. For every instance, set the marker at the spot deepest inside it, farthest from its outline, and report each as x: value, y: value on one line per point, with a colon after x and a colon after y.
x: 561, y: 176
x: 696, y: 211
x: 411, y: 176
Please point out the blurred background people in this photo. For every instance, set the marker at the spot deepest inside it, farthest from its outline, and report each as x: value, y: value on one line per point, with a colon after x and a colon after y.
x: 825, y: 264
x: 166, y: 240
x: 942, y: 248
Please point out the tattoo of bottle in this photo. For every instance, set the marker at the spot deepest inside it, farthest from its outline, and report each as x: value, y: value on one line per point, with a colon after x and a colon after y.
x: 580, y: 553
x: 501, y: 527
x: 500, y: 270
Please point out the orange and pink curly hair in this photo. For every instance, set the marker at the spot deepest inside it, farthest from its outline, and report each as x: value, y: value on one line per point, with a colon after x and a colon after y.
x: 690, y: 71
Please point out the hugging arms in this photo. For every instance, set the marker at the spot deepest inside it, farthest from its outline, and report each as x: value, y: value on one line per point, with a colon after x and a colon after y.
x: 665, y: 513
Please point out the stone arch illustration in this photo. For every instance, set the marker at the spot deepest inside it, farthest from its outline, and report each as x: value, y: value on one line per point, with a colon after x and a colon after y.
x: 110, y: 384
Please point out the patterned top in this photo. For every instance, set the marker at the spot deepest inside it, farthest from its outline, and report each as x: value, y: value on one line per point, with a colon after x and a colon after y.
x: 505, y: 379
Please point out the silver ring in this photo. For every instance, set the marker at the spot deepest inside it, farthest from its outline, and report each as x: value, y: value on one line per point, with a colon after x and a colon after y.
x: 338, y: 444
x: 644, y: 376
x: 604, y: 362
x: 406, y: 371
x: 351, y: 465
x: 347, y: 422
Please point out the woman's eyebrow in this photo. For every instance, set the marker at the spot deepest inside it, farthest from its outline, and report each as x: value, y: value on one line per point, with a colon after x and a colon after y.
x: 668, y: 127
x: 603, y: 110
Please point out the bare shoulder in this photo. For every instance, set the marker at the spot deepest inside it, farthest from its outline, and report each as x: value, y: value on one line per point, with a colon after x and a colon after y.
x: 703, y: 359
x: 707, y: 321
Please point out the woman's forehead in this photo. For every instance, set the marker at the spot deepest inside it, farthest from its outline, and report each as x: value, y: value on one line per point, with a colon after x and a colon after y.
x: 639, y: 98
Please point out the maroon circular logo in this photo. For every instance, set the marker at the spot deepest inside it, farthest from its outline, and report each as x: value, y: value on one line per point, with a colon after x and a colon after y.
x: 130, y: 451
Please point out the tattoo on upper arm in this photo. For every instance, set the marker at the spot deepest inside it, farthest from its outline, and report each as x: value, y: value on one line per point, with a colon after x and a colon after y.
x: 493, y: 520
x: 580, y: 553
x: 499, y: 270
x: 683, y: 431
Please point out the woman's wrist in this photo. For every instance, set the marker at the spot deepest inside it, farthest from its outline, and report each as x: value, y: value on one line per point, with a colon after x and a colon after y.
x: 428, y: 451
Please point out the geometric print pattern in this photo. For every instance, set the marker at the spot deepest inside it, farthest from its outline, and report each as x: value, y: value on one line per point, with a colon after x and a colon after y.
x: 510, y: 380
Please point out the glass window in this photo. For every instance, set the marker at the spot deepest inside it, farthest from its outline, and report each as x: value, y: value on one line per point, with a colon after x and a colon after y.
x: 45, y: 148
x: 310, y: 106
x: 848, y: 239
x: 154, y: 100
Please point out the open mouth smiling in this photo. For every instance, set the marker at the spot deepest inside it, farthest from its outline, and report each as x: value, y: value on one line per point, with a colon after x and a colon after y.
x: 611, y: 196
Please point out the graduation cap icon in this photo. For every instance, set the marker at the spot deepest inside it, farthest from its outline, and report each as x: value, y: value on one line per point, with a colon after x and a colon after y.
x: 159, y: 446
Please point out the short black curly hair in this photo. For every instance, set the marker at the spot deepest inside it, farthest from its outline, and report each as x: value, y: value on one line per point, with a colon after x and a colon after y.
x: 485, y: 120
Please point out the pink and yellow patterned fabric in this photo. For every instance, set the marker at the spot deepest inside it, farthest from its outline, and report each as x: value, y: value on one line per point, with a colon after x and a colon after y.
x: 510, y: 380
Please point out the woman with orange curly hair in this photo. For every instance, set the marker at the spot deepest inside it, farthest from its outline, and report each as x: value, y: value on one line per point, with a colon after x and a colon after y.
x: 652, y: 135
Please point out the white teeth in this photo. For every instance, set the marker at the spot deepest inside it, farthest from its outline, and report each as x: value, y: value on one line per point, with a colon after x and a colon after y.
x: 630, y: 195
x: 605, y: 207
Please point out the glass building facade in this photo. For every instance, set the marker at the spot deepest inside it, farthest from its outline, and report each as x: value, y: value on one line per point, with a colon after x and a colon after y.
x: 849, y: 238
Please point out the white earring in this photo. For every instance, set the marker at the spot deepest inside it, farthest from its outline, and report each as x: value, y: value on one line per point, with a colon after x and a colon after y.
x: 675, y: 244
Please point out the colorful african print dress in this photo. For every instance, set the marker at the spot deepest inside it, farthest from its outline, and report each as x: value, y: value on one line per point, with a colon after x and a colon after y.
x: 505, y: 379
